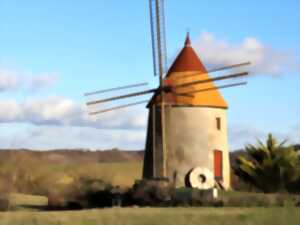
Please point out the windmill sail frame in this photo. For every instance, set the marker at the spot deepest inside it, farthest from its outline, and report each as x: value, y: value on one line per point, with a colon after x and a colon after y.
x: 159, y: 51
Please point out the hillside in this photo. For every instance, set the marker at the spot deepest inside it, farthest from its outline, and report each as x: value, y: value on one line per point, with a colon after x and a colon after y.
x: 42, y: 172
x: 70, y: 156
x: 66, y: 156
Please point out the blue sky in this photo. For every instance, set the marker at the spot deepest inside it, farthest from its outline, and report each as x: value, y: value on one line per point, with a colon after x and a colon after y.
x: 57, y: 50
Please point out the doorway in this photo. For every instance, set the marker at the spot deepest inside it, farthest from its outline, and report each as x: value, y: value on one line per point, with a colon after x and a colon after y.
x: 218, y: 165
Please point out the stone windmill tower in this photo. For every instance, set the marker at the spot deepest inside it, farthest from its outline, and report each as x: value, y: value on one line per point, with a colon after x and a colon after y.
x: 196, y: 127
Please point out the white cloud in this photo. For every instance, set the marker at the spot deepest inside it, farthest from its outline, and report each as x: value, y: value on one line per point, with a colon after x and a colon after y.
x: 294, y: 134
x: 57, y: 122
x: 45, y: 137
x: 60, y: 123
x: 42, y: 81
x: 8, y: 80
x: 11, y: 80
x: 266, y: 60
x: 242, y: 134
x: 60, y: 111
x: 59, y: 137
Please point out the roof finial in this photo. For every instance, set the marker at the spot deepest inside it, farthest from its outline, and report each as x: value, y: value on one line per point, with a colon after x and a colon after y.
x: 188, y: 40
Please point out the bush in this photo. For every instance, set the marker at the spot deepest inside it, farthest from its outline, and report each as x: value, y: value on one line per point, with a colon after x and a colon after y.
x: 85, y: 193
x: 90, y: 193
x: 4, y: 204
x: 161, y: 193
x: 57, y: 201
x: 93, y: 193
x: 150, y: 193
x: 194, y: 197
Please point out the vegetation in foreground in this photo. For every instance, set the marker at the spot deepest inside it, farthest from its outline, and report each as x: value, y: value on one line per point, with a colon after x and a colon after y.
x: 181, y: 198
x: 140, y: 216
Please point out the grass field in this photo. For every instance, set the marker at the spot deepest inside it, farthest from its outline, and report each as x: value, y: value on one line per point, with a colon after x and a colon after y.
x: 123, y: 174
x: 116, y: 173
x: 40, y: 178
x: 22, y: 202
x: 145, y: 216
x: 162, y: 216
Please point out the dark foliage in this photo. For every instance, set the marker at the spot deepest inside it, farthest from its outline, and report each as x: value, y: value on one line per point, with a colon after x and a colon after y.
x: 4, y: 204
x: 57, y: 201
x: 194, y: 197
x: 86, y: 193
x: 149, y: 193
x: 270, y: 167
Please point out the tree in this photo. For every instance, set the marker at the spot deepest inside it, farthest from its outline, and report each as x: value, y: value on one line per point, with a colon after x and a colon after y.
x: 270, y: 167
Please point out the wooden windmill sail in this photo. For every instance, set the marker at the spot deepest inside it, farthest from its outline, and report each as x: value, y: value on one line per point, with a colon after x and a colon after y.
x: 184, y: 87
x: 160, y: 63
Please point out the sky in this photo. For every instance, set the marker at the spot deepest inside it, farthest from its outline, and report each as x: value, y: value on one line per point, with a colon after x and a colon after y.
x: 53, y: 51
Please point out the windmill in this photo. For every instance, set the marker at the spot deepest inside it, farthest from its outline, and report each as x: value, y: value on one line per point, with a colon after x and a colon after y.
x: 163, y: 96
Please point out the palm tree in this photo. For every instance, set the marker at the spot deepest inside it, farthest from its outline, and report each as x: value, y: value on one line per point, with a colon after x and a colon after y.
x: 270, y: 167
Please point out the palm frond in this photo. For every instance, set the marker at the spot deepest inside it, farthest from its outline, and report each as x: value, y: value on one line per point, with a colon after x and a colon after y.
x: 269, y: 166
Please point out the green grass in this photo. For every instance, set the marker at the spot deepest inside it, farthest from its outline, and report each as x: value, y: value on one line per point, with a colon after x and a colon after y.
x: 248, y: 199
x: 162, y: 216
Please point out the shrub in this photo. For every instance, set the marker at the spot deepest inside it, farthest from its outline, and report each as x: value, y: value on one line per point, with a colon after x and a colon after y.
x: 194, y: 197
x: 4, y: 204
x: 56, y: 201
x: 85, y: 193
x: 150, y: 193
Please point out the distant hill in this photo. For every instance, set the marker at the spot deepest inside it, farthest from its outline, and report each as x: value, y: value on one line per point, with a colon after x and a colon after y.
x: 63, y: 156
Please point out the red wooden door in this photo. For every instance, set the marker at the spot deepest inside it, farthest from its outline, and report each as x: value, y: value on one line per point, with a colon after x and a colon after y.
x: 218, y: 164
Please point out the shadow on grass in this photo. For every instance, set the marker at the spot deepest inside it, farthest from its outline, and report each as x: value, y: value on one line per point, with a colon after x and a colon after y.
x: 34, y: 207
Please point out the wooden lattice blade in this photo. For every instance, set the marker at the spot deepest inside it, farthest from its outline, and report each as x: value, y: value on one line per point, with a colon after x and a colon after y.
x: 116, y: 88
x: 149, y: 91
x: 118, y: 107
x: 230, y: 76
x: 167, y: 88
x: 215, y: 88
x: 216, y: 69
x: 229, y: 67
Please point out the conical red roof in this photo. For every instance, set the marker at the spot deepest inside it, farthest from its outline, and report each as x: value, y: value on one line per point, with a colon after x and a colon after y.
x: 187, y: 60
x: 188, y: 68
